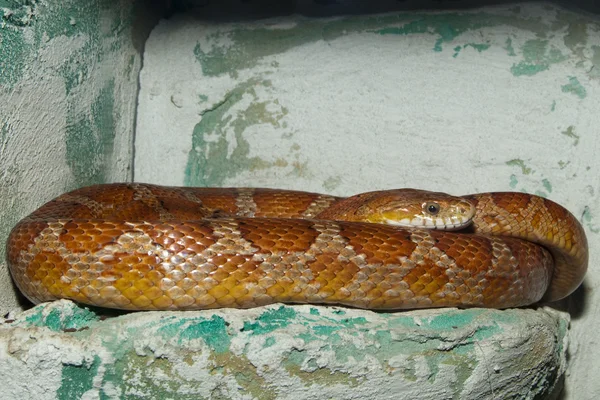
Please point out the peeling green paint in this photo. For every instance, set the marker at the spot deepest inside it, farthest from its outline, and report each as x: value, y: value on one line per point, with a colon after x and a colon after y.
x: 153, y: 355
x: 59, y: 320
x: 537, y: 57
x: 477, y: 46
x: 510, y: 50
x: 271, y: 320
x: 588, y: 219
x: 516, y: 162
x: 241, y: 48
x: 570, y: 132
x: 513, y: 181
x: 214, y: 157
x: 213, y: 332
x: 77, y: 379
x: 574, y: 87
x: 90, y: 139
x: 547, y: 185
x: 27, y: 27
x: 445, y: 27
x: 15, y: 54
x: 125, y: 377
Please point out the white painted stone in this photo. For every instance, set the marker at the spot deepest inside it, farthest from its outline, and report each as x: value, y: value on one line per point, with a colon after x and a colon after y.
x: 368, y: 111
x: 283, y: 352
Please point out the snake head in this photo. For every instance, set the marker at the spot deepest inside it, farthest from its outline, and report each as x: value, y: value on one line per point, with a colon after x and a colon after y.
x: 410, y: 208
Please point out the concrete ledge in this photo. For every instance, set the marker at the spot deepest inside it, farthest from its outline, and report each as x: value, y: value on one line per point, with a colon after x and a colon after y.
x: 60, y: 350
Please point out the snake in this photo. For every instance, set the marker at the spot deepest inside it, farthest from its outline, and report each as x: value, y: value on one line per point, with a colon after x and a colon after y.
x: 135, y: 246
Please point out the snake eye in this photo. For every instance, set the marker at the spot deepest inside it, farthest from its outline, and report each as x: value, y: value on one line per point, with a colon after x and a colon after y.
x: 431, y: 208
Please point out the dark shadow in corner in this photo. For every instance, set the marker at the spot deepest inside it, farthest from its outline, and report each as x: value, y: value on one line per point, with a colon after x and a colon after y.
x: 248, y: 10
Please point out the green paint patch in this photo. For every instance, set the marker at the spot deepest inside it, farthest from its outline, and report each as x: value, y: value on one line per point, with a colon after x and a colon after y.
x: 214, y: 157
x: 574, y: 87
x: 541, y: 193
x: 271, y: 320
x: 588, y: 219
x: 352, y: 322
x: 553, y: 106
x: 314, y: 311
x: 17, y: 13
x: 77, y: 379
x: 513, y: 181
x: 570, y: 132
x: 270, y: 341
x: 61, y: 319
x: 325, y: 330
x: 407, y: 322
x: 509, y: 48
x: 537, y: 57
x: 203, y: 98
x: 241, y: 48
x: 90, y: 139
x: 445, y: 27
x: 159, y: 381
x: 516, y: 162
x: 212, y: 331
x: 229, y: 52
x: 453, y: 320
x: 547, y: 185
x: 16, y: 54
x: 476, y: 46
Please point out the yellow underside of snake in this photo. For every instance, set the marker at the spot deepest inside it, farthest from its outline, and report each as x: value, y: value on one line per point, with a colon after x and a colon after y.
x: 149, y: 247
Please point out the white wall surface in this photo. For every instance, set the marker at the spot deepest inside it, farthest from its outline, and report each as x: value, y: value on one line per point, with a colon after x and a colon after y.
x: 504, y: 98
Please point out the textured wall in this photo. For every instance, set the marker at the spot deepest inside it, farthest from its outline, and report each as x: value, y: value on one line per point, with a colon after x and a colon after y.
x: 283, y: 352
x: 68, y: 85
x: 503, y: 98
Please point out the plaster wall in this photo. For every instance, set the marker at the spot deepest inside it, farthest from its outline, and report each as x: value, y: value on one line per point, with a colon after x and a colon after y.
x: 501, y: 98
x: 68, y: 86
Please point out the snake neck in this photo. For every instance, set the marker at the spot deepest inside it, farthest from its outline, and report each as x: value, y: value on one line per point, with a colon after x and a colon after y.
x: 353, y: 208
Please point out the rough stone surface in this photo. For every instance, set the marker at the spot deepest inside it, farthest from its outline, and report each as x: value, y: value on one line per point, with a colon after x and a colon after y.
x: 68, y: 85
x: 283, y: 352
x: 502, y: 98
x: 490, y: 99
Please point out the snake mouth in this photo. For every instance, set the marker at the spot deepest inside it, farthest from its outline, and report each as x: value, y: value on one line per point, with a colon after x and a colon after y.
x: 427, y: 223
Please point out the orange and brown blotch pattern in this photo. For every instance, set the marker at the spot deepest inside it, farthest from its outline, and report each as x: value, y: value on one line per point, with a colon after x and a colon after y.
x: 134, y: 246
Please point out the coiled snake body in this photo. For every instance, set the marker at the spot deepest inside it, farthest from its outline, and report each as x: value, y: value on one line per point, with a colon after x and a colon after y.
x: 148, y: 247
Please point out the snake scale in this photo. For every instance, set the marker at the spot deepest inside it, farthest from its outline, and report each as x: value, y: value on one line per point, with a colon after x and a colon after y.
x: 148, y: 247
